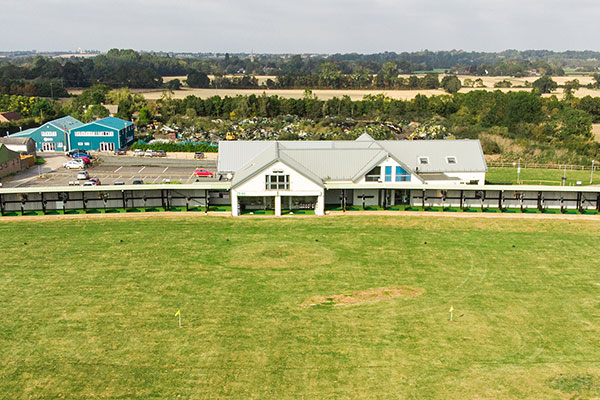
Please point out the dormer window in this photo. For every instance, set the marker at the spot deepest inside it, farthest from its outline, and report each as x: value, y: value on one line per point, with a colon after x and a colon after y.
x: 423, y: 160
x: 451, y: 160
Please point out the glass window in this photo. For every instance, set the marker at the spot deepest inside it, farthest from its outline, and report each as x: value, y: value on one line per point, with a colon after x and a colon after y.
x: 451, y: 160
x: 388, y: 173
x: 374, y: 175
x: 424, y: 160
x: 277, y: 182
x: 402, y: 175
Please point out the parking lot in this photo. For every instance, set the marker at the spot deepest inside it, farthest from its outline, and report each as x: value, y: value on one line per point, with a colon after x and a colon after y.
x: 111, y: 171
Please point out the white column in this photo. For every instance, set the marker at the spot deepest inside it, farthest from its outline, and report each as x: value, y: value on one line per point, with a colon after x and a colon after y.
x: 234, y: 203
x: 320, y: 206
x: 278, y: 205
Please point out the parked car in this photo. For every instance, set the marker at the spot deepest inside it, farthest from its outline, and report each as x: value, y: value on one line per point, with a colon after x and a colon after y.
x: 203, y: 172
x: 138, y: 152
x: 89, y: 183
x: 120, y: 152
x: 149, y: 153
x: 95, y: 180
x: 160, y: 153
x: 83, y: 175
x: 75, y: 151
x: 81, y: 154
x: 198, y: 155
x: 74, y: 164
x: 138, y: 182
x: 85, y: 160
x: 119, y: 183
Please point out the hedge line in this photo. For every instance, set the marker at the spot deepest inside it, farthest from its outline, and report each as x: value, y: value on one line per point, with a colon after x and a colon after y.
x: 176, y: 147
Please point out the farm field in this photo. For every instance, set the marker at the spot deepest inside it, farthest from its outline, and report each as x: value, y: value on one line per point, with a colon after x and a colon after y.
x: 338, y: 307
x: 326, y: 94
x: 539, y: 176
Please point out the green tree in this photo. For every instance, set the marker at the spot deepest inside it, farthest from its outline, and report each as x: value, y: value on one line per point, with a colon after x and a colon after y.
x: 330, y: 75
x: 430, y: 81
x: 360, y: 77
x: 596, y: 77
x: 451, y: 84
x: 570, y: 87
x: 174, y: 84
x: 389, y: 72
x: 145, y: 117
x: 505, y: 83
x: 198, y: 79
x: 545, y: 84
x: 94, y: 112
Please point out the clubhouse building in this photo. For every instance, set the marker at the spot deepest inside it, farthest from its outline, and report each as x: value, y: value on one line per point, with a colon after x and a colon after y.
x: 313, y: 175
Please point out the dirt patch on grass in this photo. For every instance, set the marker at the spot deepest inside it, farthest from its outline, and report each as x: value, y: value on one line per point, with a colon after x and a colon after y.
x: 363, y: 296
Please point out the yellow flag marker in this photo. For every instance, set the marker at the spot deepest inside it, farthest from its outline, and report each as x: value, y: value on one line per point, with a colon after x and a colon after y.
x: 178, y: 314
x: 451, y: 311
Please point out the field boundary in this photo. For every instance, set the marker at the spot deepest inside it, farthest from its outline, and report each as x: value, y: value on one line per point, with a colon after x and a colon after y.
x: 569, y: 167
x: 387, y: 213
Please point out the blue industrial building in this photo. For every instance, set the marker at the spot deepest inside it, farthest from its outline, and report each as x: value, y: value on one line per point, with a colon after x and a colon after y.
x: 53, y: 135
x: 106, y: 134
x: 66, y: 133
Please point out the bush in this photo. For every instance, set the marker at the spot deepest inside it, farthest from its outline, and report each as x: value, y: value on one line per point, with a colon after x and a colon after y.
x: 176, y: 147
x: 490, y: 147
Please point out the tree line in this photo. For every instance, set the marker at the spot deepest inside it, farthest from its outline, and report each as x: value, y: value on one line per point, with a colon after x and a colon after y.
x: 48, y: 77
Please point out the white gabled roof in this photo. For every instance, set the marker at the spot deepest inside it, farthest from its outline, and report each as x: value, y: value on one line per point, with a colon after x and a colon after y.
x: 348, y: 160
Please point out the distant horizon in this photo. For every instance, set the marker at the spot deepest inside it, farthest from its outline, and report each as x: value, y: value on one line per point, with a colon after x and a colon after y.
x: 244, y: 52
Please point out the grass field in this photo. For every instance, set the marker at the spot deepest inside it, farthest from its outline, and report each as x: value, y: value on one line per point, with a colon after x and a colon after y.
x: 539, y: 176
x: 88, y: 308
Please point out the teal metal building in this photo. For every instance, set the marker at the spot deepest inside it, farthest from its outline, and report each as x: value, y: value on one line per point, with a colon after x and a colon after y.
x: 53, y: 135
x: 106, y: 134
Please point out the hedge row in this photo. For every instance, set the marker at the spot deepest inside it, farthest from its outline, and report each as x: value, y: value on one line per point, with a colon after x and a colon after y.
x: 176, y: 147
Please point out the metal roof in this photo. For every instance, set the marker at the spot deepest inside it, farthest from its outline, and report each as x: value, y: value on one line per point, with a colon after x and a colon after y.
x: 336, y: 164
x: 350, y: 160
x: 220, y: 185
x: 269, y: 156
x: 64, y: 123
x: 16, y: 140
x: 112, y: 122
x: 24, y: 133
x: 67, y: 123
x: 467, y: 153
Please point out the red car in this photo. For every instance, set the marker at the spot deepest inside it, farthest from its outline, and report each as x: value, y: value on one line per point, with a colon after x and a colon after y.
x: 203, y: 172
x: 85, y: 159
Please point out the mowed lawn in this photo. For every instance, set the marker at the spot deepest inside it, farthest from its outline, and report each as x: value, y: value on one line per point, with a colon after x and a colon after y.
x: 540, y: 176
x: 88, y: 308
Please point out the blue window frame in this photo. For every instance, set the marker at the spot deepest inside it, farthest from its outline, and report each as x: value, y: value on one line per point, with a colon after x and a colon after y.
x: 401, y: 175
x: 388, y: 173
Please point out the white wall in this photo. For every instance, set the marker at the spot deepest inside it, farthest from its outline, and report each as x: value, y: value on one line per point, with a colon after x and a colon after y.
x: 299, y: 186
x: 357, y: 200
x: 298, y: 182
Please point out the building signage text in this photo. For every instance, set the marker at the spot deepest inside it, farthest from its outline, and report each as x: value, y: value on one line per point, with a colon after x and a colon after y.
x: 93, y: 133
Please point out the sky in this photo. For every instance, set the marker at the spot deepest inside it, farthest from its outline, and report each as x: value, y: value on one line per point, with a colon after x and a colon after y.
x: 299, y: 26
